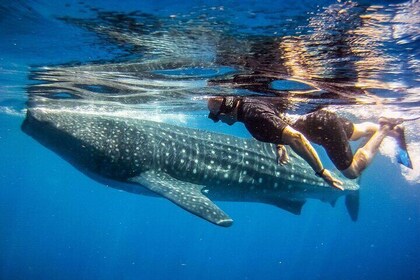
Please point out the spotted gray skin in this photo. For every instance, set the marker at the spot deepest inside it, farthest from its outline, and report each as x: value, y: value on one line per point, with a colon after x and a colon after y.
x: 190, y: 167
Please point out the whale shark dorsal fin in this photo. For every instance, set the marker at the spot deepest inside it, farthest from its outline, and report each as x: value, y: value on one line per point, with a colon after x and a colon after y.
x: 184, y: 194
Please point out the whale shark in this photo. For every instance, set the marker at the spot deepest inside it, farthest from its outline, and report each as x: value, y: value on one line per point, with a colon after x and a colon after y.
x: 188, y: 166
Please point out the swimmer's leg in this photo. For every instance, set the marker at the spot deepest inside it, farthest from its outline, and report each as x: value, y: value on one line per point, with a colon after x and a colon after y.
x: 364, y: 155
x: 365, y: 129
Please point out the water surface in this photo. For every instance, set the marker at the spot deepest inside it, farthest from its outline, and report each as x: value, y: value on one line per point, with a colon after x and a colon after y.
x: 160, y: 60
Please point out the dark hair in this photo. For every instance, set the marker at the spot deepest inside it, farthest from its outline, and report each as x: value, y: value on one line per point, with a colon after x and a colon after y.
x: 228, y: 105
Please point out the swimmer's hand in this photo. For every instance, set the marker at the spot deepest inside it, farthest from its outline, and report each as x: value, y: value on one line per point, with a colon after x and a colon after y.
x: 283, y: 157
x: 329, y: 178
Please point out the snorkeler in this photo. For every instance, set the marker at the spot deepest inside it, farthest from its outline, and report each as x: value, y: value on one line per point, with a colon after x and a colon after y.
x: 267, y: 123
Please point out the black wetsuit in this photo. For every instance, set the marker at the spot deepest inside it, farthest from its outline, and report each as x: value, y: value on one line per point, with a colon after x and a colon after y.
x: 262, y: 119
x: 331, y: 131
x: 266, y: 123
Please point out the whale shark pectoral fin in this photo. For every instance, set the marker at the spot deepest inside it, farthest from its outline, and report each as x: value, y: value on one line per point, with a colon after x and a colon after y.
x: 184, y: 194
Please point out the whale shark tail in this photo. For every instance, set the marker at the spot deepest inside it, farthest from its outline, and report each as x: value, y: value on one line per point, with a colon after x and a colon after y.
x: 352, y: 204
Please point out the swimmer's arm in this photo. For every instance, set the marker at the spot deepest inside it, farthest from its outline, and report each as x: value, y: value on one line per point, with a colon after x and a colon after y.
x: 298, y: 142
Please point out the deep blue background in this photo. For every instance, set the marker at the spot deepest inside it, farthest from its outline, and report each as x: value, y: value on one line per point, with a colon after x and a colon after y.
x: 56, y: 223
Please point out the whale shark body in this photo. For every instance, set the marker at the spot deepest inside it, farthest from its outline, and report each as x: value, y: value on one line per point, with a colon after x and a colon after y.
x: 190, y: 167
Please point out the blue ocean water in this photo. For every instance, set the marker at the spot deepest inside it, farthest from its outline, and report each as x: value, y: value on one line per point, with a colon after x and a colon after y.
x: 359, y: 58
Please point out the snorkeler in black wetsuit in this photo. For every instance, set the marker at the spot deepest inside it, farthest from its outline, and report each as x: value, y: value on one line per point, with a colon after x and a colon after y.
x: 268, y: 124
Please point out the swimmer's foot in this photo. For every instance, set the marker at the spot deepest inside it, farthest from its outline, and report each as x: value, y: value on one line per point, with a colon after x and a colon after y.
x: 390, y: 122
x: 402, y: 154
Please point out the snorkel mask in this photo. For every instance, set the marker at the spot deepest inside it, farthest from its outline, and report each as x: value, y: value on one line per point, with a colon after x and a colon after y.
x: 228, y: 105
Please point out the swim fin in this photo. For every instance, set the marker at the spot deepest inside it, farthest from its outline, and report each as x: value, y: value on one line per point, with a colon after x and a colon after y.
x: 404, y: 158
x: 402, y: 154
